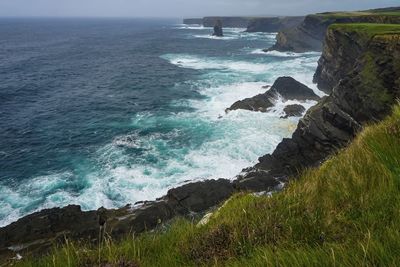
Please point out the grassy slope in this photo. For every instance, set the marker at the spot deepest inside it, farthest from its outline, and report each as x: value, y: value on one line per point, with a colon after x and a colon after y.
x: 344, y: 213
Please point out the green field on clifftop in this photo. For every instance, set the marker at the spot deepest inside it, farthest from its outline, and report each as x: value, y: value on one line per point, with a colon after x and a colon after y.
x: 368, y: 29
x: 345, y: 213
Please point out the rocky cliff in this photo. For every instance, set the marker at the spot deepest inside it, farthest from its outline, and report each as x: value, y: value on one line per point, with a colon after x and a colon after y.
x: 309, y: 35
x: 366, y: 93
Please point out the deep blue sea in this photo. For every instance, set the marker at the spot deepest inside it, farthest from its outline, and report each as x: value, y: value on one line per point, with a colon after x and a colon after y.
x: 105, y: 112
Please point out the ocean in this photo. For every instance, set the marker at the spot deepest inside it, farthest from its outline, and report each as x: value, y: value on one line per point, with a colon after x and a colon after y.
x: 105, y: 112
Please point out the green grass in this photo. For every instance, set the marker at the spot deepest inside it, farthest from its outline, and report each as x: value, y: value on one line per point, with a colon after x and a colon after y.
x: 345, y: 213
x: 368, y: 29
x: 358, y: 14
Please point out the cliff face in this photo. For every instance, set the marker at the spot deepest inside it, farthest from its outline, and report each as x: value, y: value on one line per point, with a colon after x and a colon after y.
x: 273, y: 24
x: 309, y: 35
x: 366, y: 93
x: 341, y: 49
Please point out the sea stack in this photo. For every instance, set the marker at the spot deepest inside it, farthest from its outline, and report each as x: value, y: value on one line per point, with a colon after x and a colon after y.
x: 218, y: 29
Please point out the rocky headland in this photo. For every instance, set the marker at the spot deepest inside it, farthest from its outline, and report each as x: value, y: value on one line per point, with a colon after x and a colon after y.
x: 364, y: 91
x: 309, y: 35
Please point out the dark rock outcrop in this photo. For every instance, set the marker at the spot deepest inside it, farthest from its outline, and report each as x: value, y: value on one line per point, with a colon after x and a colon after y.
x: 39, y: 231
x: 365, y: 94
x: 341, y: 50
x: 293, y: 111
x: 273, y: 24
x: 286, y: 87
x: 309, y: 35
x: 218, y: 29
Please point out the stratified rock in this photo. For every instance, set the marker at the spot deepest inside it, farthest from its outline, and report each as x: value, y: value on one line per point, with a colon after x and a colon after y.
x: 218, y: 29
x: 341, y: 50
x: 286, y: 87
x: 293, y: 111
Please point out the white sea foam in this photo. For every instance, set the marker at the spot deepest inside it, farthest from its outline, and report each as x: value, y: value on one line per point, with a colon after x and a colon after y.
x: 196, y: 62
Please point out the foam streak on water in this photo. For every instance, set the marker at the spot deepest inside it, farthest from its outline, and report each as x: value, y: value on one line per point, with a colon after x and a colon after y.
x: 180, y: 133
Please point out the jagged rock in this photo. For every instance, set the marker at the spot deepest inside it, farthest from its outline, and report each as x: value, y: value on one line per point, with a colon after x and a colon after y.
x: 218, y: 29
x: 293, y: 111
x: 286, y: 87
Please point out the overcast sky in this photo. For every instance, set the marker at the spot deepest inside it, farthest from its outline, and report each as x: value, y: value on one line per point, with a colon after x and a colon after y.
x: 180, y: 8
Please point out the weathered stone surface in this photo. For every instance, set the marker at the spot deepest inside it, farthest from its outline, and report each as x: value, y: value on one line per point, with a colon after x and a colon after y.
x: 286, y: 87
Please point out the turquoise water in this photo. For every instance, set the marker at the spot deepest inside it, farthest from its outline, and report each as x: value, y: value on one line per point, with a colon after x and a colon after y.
x: 110, y: 112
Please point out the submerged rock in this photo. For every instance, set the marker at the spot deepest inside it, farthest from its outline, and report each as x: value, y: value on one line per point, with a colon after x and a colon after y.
x: 285, y: 87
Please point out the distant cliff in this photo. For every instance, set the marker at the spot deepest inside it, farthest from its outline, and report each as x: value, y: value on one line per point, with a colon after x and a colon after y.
x: 198, y: 21
x: 273, y: 24
x: 252, y: 24
x: 309, y: 35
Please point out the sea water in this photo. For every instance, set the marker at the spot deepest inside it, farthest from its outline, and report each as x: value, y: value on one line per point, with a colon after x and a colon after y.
x: 105, y: 112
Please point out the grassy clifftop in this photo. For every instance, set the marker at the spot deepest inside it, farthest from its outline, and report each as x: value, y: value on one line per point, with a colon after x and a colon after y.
x: 367, y: 29
x: 347, y: 212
